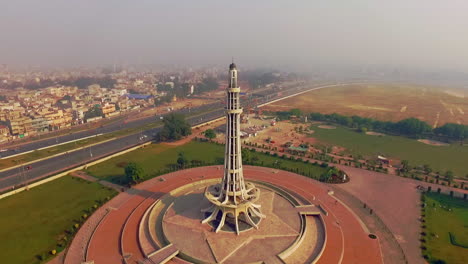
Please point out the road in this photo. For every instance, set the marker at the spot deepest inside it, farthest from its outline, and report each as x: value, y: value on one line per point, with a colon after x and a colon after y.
x: 108, y: 128
x: 15, y: 177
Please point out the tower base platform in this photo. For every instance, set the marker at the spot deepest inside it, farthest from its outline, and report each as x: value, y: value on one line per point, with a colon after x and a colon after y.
x: 160, y: 221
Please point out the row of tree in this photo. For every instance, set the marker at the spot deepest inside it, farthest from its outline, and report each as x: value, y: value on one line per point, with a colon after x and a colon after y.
x: 411, y: 127
x: 259, y: 78
x: 408, y: 127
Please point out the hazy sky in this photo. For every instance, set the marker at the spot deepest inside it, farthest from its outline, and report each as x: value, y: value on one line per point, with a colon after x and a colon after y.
x: 414, y: 33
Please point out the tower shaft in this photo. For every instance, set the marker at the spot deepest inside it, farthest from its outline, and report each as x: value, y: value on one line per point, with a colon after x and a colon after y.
x: 233, y: 180
x: 233, y: 198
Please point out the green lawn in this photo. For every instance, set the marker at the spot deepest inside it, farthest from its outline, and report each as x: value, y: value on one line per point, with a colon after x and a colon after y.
x: 448, y: 215
x: 287, y: 164
x: 453, y: 157
x: 32, y: 221
x: 157, y: 158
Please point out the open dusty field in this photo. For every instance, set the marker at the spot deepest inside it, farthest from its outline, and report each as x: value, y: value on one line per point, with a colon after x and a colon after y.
x: 383, y: 102
x: 281, y: 133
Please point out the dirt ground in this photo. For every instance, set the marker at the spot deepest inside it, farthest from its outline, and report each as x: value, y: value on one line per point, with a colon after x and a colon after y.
x: 374, y: 133
x: 432, y: 142
x: 279, y: 134
x: 436, y: 106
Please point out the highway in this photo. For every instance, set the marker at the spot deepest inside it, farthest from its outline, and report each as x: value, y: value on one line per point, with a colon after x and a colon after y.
x: 40, y: 169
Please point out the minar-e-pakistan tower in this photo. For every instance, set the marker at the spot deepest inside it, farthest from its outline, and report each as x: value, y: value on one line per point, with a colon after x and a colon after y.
x: 233, y: 199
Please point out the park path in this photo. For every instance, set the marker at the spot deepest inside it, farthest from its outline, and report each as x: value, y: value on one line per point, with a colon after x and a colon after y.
x: 83, y: 175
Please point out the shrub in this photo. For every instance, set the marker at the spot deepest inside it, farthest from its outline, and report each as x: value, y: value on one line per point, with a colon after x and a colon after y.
x: 42, y: 256
x: 53, y: 252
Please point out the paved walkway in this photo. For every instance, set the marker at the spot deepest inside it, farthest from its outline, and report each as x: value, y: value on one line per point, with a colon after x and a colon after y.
x: 396, y: 201
x: 83, y: 175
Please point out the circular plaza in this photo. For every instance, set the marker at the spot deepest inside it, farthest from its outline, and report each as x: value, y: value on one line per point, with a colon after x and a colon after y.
x: 160, y: 221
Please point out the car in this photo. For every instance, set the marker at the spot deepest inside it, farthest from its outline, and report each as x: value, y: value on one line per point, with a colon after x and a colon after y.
x: 28, y: 167
x: 3, y: 150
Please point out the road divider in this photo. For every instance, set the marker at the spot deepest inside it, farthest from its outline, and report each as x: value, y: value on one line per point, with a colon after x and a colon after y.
x: 51, y: 146
x: 55, y: 155
x: 64, y: 173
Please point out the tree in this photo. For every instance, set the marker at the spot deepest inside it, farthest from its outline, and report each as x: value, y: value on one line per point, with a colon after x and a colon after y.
x: 405, y: 166
x: 182, y: 160
x: 449, y: 176
x: 412, y: 127
x: 134, y: 172
x: 175, y: 127
x: 94, y: 111
x: 296, y: 112
x: 245, y: 153
x: 210, y: 134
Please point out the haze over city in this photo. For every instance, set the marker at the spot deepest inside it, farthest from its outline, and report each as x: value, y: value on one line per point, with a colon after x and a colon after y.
x: 421, y: 34
x: 210, y: 131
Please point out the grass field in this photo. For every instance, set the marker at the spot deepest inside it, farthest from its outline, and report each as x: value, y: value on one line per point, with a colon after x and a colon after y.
x: 440, y: 158
x: 382, y: 101
x: 160, y: 157
x: 31, y: 221
x: 286, y: 164
x: 445, y: 214
x: 154, y: 158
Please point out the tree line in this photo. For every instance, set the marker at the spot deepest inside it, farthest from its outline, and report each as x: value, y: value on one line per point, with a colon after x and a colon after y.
x: 258, y: 79
x: 411, y: 127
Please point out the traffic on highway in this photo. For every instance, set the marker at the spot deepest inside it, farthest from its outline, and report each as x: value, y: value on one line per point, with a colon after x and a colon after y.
x: 13, y: 178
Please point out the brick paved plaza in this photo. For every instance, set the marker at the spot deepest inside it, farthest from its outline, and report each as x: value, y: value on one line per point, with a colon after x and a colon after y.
x: 158, y: 221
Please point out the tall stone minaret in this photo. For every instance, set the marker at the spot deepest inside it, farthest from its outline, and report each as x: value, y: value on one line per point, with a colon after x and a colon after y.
x: 233, y: 198
x: 233, y: 179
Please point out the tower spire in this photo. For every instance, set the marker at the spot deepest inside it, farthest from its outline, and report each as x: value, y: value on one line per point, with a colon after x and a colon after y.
x: 233, y: 198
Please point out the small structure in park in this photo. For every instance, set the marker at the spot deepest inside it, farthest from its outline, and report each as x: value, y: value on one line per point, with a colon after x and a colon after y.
x: 233, y: 200
x: 384, y: 160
